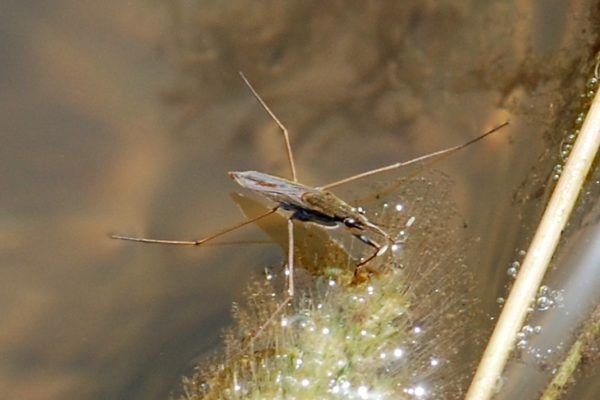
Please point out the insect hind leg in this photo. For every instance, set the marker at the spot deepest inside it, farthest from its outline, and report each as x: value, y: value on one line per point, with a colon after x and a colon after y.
x: 286, y: 136
x: 289, y: 271
x: 199, y: 241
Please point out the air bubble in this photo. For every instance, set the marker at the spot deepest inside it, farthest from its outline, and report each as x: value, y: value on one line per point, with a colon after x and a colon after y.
x: 513, y: 269
x: 268, y: 274
x: 544, y: 303
x: 417, y: 391
x: 363, y: 392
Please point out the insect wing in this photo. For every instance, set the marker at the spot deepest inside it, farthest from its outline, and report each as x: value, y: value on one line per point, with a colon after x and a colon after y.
x: 277, y: 189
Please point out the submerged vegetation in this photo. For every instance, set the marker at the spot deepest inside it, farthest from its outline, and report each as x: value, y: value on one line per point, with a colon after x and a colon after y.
x: 401, y: 334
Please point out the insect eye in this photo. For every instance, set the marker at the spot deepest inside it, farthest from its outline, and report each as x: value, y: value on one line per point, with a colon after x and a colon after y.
x: 351, y: 223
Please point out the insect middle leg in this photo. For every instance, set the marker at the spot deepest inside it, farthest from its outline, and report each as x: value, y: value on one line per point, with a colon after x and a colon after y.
x: 431, y: 156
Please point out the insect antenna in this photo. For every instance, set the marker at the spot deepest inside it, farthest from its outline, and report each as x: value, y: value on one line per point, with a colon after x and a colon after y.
x: 437, y: 154
x: 286, y: 135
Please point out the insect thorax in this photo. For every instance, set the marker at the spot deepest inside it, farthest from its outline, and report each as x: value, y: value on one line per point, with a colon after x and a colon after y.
x: 327, y: 203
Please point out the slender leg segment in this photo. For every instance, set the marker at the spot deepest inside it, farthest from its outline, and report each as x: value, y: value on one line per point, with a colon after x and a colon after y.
x: 199, y: 241
x: 290, y: 263
x: 368, y: 241
x: 440, y: 153
x: 279, y: 309
x: 286, y: 135
x: 289, y: 270
x: 290, y: 156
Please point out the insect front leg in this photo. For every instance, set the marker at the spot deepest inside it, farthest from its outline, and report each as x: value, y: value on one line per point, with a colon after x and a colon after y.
x: 362, y: 271
x: 367, y: 240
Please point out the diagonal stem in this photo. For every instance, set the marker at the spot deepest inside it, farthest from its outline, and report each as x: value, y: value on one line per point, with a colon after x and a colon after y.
x: 538, y: 256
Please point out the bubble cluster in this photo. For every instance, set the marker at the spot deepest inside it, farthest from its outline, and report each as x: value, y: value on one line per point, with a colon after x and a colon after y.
x: 547, y: 298
x: 513, y: 269
x: 525, y: 334
x: 569, y: 137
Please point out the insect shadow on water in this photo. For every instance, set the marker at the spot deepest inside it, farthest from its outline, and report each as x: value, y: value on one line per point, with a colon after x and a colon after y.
x: 312, y: 204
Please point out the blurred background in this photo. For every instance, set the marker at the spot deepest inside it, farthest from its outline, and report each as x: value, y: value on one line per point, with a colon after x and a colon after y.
x: 124, y: 117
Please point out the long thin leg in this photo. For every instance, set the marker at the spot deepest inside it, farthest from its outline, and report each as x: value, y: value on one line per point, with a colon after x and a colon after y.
x: 199, y: 241
x: 290, y: 266
x: 368, y: 241
x: 279, y: 309
x: 286, y: 136
x: 444, y: 152
x: 289, y: 271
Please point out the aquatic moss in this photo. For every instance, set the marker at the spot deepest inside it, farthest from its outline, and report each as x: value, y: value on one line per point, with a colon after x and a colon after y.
x: 400, y: 334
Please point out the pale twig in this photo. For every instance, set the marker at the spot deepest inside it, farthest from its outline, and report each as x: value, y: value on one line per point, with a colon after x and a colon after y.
x: 538, y: 257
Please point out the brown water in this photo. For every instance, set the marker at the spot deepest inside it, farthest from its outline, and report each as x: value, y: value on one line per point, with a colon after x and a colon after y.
x: 126, y: 117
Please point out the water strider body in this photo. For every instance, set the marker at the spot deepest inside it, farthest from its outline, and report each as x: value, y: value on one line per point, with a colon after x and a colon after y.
x: 308, y: 204
x: 314, y: 205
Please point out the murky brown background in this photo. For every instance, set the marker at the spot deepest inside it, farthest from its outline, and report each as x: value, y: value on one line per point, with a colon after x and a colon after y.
x: 124, y: 117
